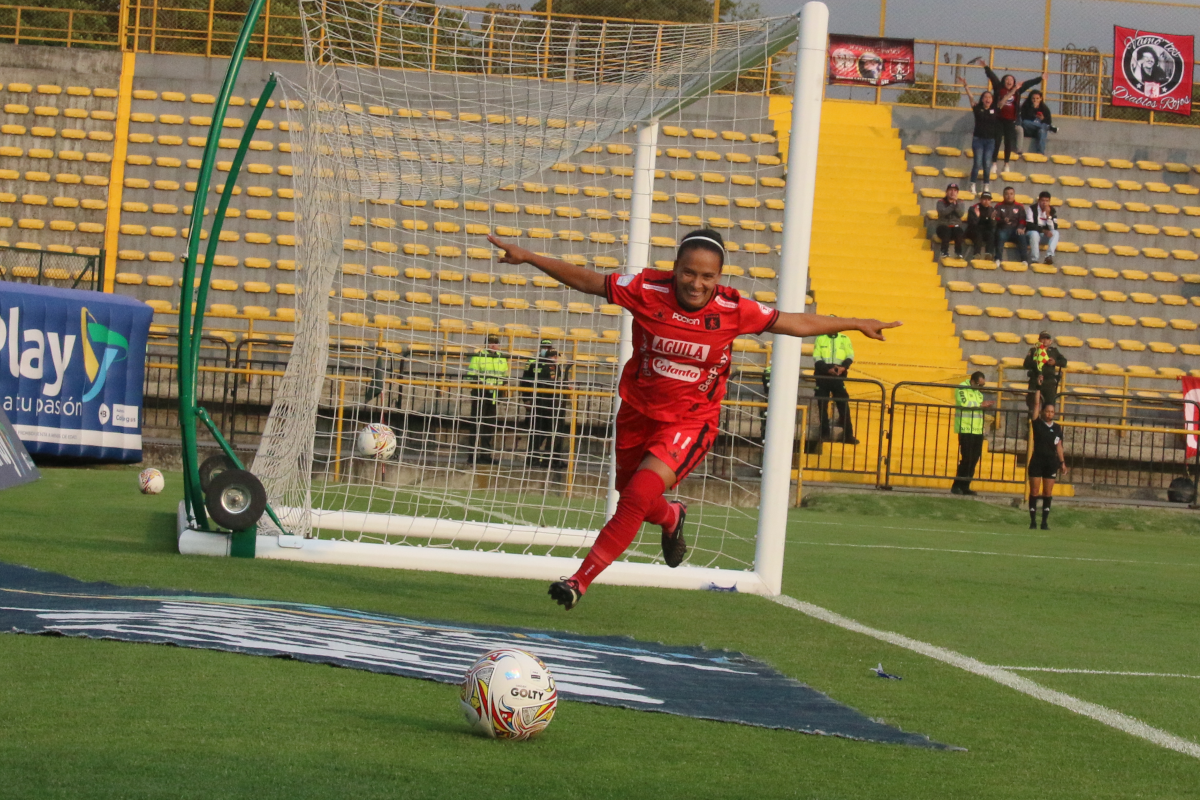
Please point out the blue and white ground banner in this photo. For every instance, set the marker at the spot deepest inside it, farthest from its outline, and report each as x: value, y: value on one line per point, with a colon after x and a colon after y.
x: 16, y: 467
x: 614, y: 671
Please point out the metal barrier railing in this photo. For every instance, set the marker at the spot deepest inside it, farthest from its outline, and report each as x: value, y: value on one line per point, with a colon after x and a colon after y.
x: 50, y: 268
x: 1117, y: 442
x: 866, y: 411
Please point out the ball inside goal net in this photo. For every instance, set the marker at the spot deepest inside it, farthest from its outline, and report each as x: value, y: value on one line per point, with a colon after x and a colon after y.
x: 417, y: 133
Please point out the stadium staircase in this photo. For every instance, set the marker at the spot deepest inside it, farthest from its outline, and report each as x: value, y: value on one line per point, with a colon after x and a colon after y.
x: 870, y: 257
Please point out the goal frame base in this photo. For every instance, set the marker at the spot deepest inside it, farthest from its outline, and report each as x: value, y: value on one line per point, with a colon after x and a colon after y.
x: 492, y: 564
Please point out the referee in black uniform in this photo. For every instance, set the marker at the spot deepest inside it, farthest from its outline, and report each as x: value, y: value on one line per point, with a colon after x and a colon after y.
x: 1045, y: 464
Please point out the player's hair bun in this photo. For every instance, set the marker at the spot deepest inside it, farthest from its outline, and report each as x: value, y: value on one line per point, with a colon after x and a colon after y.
x: 704, y: 237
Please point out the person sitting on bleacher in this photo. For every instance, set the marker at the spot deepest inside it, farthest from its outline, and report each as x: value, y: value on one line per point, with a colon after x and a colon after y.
x: 1036, y: 121
x: 981, y: 225
x: 1042, y: 220
x: 1010, y: 225
x: 950, y: 217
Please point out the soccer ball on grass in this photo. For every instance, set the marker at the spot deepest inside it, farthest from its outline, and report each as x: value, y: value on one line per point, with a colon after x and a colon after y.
x: 508, y: 694
x: 376, y: 441
x: 150, y: 481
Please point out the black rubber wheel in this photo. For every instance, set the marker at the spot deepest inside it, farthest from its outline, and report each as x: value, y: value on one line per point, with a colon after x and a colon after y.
x: 235, y: 499
x: 212, y: 466
x: 1181, y: 490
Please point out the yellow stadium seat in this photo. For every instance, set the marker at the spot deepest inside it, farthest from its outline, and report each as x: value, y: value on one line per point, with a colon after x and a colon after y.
x: 1122, y: 321
x: 1060, y: 316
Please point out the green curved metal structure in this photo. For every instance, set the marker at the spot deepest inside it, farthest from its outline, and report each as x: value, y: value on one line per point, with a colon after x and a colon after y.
x: 191, y: 323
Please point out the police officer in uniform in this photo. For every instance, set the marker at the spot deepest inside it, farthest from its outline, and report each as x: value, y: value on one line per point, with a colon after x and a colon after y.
x: 968, y: 424
x: 833, y: 355
x: 488, y: 367
x: 544, y: 371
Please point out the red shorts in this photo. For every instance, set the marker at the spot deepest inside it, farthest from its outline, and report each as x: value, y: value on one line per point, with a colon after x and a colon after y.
x: 680, y: 445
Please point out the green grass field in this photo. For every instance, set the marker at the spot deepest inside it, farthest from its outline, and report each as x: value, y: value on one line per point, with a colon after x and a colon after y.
x: 1105, y: 590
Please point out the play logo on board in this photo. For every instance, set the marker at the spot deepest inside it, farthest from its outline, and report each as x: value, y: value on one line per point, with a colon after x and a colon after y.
x: 71, y: 370
x: 1153, y: 70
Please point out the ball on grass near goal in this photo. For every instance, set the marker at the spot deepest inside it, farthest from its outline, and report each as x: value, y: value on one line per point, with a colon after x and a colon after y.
x: 376, y: 441
x: 150, y: 481
x: 508, y: 694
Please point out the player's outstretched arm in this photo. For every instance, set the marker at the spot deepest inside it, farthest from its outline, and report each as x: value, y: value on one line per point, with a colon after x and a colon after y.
x: 791, y: 324
x: 581, y: 278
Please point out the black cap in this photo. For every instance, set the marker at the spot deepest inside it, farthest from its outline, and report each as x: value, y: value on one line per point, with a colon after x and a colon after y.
x: 493, y: 339
x: 1045, y: 335
x: 985, y: 196
x: 951, y: 186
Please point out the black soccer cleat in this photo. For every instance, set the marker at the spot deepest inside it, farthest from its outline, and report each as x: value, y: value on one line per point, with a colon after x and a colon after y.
x: 674, y: 547
x: 1045, y: 527
x: 1033, y: 526
x: 566, y: 593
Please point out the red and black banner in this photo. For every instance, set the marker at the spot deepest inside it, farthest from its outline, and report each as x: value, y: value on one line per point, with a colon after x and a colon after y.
x: 866, y: 61
x: 1152, y: 70
x: 1191, y: 412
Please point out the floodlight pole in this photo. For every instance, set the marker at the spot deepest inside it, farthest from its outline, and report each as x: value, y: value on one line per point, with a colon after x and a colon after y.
x: 793, y: 278
x: 637, y: 258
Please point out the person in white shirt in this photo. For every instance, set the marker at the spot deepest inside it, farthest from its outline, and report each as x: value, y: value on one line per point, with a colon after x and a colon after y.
x: 1041, y: 220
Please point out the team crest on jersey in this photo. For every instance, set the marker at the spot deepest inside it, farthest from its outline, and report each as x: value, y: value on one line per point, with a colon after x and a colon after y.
x: 712, y: 322
x: 678, y: 347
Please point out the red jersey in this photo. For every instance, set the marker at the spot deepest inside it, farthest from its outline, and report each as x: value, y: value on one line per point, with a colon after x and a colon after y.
x: 681, y: 358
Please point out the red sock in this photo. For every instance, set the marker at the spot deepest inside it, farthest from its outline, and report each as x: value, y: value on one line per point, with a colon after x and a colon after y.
x: 642, y: 493
x: 662, y: 513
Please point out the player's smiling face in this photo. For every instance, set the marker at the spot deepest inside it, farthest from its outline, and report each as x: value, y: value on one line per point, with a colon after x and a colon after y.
x: 697, y: 273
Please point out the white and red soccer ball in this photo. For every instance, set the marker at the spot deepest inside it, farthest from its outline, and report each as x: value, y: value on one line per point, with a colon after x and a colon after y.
x: 376, y: 441
x: 150, y: 481
x: 509, y: 694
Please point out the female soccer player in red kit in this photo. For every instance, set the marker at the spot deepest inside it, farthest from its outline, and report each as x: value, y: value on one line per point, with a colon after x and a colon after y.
x: 684, y: 324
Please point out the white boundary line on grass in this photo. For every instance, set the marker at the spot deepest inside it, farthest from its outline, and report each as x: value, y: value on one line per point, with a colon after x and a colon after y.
x: 1101, y: 672
x: 1107, y: 716
x: 990, y: 553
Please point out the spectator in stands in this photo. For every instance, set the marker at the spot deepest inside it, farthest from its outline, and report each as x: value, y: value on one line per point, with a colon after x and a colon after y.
x: 981, y: 225
x: 543, y: 371
x: 1042, y: 355
x: 489, y: 368
x: 833, y: 354
x: 1007, y: 106
x: 950, y: 221
x: 1036, y: 121
x: 983, y: 139
x: 968, y: 424
x: 1010, y: 225
x: 1041, y: 220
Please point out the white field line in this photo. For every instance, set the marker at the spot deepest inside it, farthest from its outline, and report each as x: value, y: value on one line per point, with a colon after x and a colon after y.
x: 1107, y: 716
x: 808, y: 521
x: 1101, y: 672
x: 990, y: 553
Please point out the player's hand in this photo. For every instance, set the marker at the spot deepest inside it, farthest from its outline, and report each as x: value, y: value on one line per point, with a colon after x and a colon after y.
x: 513, y: 254
x: 962, y: 80
x: 873, y: 328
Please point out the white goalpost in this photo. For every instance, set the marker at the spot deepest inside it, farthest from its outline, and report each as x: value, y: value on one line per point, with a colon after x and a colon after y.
x: 419, y: 131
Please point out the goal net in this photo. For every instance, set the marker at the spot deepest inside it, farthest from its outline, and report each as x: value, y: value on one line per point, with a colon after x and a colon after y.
x: 420, y: 130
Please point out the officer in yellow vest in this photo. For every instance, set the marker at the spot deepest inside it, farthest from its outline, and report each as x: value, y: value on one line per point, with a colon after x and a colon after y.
x: 488, y: 367
x: 968, y: 424
x: 833, y: 354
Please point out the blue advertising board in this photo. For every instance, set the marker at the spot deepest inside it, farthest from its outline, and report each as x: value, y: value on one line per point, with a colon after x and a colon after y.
x: 71, y: 370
